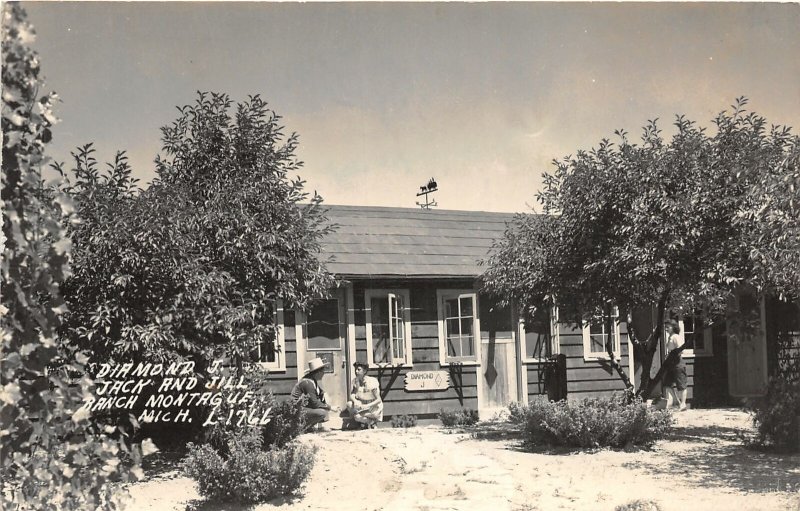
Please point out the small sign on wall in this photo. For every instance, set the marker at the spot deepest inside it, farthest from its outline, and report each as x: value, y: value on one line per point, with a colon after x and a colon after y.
x: 427, y: 380
x: 326, y: 357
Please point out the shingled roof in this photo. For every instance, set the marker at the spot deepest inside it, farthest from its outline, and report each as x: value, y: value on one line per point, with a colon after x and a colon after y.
x: 378, y: 242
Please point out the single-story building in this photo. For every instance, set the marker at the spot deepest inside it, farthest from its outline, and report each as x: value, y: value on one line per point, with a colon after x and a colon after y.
x: 411, y: 308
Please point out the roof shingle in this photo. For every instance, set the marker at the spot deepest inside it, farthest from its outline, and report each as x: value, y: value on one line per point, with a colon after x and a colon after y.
x: 372, y: 241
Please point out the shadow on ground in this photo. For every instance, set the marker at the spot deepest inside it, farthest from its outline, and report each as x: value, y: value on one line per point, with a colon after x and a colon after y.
x: 207, y: 505
x: 715, y: 457
x: 162, y: 462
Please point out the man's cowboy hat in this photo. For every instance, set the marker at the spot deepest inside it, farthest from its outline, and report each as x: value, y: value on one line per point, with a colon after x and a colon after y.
x: 315, y: 364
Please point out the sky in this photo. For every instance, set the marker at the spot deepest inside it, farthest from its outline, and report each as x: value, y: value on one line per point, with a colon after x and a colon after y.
x: 384, y: 96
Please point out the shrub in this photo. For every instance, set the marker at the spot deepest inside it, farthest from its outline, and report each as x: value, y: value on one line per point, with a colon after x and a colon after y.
x: 286, y: 423
x: 639, y: 505
x: 222, y: 431
x: 404, y: 421
x: 462, y: 417
x: 776, y: 416
x: 248, y: 474
x: 614, y: 422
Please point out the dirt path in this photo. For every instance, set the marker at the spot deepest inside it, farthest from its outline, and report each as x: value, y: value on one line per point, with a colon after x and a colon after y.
x: 701, y: 466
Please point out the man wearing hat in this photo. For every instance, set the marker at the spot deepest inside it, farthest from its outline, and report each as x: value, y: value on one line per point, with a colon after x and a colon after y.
x: 316, y: 409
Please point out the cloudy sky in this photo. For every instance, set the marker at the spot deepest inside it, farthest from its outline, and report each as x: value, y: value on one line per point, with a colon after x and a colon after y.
x: 385, y: 96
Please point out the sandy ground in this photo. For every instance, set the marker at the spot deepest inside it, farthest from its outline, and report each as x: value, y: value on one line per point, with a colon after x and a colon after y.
x: 701, y: 466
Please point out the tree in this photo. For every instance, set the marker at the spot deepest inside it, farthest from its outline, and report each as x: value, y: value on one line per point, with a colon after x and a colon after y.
x: 658, y: 226
x: 51, y: 456
x: 193, y: 266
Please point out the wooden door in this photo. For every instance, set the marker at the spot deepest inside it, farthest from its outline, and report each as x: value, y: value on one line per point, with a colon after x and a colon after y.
x: 323, y: 333
x: 498, y: 369
x: 747, y: 346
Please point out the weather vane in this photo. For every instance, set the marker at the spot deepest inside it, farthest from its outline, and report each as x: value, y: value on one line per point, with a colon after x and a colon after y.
x: 425, y: 190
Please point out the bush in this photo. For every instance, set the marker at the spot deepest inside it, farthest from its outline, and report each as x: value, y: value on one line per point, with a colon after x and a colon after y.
x: 404, y: 421
x: 776, y: 416
x: 614, y: 422
x: 639, y: 505
x: 248, y: 474
x: 463, y: 417
x: 286, y: 423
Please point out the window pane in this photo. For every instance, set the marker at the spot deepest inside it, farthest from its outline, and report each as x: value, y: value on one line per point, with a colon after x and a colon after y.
x: 452, y: 327
x: 537, y: 334
x: 451, y: 308
x: 466, y: 326
x: 466, y: 306
x: 380, y: 330
x: 323, y: 326
x: 598, y: 343
x: 468, y: 346
x: 398, y: 343
x: 453, y: 346
x: 266, y: 350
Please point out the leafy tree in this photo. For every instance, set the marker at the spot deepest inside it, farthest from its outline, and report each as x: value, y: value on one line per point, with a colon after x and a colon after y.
x: 658, y: 225
x: 51, y: 456
x: 193, y: 265
x: 770, y: 219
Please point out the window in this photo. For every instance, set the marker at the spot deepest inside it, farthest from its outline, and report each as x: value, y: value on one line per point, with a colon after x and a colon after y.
x: 695, y: 335
x: 540, y: 335
x: 595, y: 336
x: 457, y: 326
x: 322, y: 326
x: 271, y: 351
x: 388, y: 327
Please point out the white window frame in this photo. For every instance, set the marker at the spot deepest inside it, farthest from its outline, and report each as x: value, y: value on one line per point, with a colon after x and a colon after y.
x: 279, y: 365
x: 555, y: 346
x: 587, y: 339
x: 708, y: 348
x: 441, y: 295
x: 369, y: 294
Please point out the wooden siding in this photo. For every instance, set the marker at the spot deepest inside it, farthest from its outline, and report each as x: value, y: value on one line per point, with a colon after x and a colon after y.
x: 535, y: 373
x: 590, y: 378
x: 463, y: 390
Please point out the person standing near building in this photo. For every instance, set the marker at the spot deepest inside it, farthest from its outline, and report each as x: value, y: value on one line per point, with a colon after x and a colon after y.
x: 675, y: 379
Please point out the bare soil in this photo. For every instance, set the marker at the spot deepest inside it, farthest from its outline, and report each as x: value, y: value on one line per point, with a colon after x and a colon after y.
x: 702, y: 465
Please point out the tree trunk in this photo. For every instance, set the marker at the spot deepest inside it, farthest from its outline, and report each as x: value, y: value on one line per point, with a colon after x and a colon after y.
x: 610, y: 350
x: 669, y: 362
x: 645, y: 383
x: 649, y: 349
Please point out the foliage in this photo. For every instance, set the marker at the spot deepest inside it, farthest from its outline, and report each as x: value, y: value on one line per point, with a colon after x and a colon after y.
x: 660, y: 225
x: 639, y: 505
x: 462, y: 417
x: 776, y: 416
x: 286, y: 423
x: 613, y: 422
x: 248, y: 474
x: 770, y: 218
x: 52, y: 457
x: 193, y: 266
x: 404, y: 421
x: 286, y: 420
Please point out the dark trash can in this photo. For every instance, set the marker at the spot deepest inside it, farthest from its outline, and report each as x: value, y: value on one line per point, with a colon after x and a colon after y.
x: 555, y: 377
